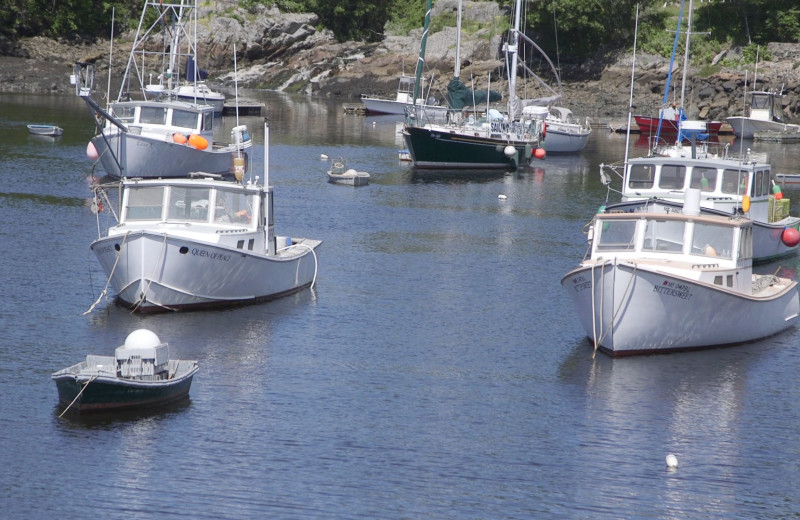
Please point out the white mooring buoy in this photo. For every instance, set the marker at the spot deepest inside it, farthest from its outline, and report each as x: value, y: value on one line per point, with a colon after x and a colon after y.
x: 672, y: 461
x: 502, y: 197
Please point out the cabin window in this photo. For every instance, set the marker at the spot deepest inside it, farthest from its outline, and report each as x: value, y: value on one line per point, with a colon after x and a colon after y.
x: 734, y: 182
x: 704, y: 178
x: 617, y: 235
x: 126, y: 114
x: 766, y: 183
x: 758, y: 184
x: 664, y: 235
x: 153, y: 115
x: 187, y: 203
x: 208, y: 121
x: 232, y: 206
x: 641, y: 176
x: 144, y: 203
x: 184, y: 119
x: 672, y: 177
x: 712, y: 240
x: 760, y: 102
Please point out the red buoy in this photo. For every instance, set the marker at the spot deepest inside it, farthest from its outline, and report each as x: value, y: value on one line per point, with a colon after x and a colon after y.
x: 790, y: 237
x: 539, y: 153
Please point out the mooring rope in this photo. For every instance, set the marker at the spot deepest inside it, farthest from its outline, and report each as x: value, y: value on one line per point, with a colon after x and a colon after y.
x: 79, y: 394
x: 110, y: 275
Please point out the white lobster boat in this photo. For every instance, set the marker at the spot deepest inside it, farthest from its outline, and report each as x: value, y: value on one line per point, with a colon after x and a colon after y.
x: 199, y: 242
x: 663, y: 282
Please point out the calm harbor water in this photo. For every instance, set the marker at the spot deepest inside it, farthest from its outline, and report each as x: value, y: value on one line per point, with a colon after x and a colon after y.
x: 435, y: 371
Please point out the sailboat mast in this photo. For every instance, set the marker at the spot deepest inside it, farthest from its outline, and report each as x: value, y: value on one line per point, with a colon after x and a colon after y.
x: 457, y: 73
x: 421, y: 59
x: 513, y: 50
x: 686, y: 55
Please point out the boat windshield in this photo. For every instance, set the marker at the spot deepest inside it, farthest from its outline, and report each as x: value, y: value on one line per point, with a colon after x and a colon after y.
x: 617, y: 235
x: 704, y: 178
x: 712, y: 240
x: 641, y: 176
x: 734, y: 182
x: 144, y: 203
x: 672, y: 177
x: 184, y: 119
x: 232, y: 206
x: 188, y: 204
x: 664, y: 235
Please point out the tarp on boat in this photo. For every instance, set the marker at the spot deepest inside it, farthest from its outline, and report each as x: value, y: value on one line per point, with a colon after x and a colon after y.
x: 191, y: 69
x: 461, y: 96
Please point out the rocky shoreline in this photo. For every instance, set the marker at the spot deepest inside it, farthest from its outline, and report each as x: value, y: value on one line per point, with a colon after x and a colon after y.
x: 285, y: 52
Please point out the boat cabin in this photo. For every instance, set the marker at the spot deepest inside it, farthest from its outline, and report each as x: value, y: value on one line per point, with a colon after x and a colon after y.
x: 723, y: 183
x: 157, y: 118
x: 225, y: 212
x: 762, y: 106
x: 701, y: 244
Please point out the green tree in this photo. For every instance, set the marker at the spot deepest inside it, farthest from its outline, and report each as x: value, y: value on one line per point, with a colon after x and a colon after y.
x: 353, y: 19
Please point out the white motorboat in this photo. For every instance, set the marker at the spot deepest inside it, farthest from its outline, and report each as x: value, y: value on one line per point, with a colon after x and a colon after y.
x: 198, y: 242
x: 193, y: 89
x: 140, y: 374
x: 158, y: 135
x: 403, y: 101
x: 564, y: 132
x: 763, y: 114
x: 339, y: 173
x: 663, y: 282
x: 730, y: 184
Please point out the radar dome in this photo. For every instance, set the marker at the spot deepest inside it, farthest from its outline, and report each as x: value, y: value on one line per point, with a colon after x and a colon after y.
x: 142, y: 338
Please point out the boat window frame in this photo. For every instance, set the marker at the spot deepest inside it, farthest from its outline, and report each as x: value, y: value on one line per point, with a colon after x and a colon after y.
x: 197, y: 203
x: 143, y: 212
x: 711, y: 242
x: 658, y: 242
x: 146, y: 111
x: 696, y: 182
x: 641, y: 176
x: 742, y: 174
x: 181, y: 116
x: 604, y: 227
x: 679, y: 182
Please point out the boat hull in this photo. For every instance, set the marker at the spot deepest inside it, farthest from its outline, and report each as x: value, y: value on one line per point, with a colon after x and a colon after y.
x: 560, y: 140
x: 630, y: 309
x: 649, y: 126
x: 767, y: 237
x: 746, y: 127
x: 434, y: 148
x: 108, y: 393
x: 130, y: 155
x: 377, y: 106
x: 156, y: 272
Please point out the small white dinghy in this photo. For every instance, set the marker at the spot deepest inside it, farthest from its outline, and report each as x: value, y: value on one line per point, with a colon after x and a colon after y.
x: 339, y: 173
x: 47, y: 130
x: 663, y: 282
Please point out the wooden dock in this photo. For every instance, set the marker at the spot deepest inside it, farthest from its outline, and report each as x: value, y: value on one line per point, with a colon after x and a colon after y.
x: 778, y: 137
x: 244, y: 109
x: 354, y: 108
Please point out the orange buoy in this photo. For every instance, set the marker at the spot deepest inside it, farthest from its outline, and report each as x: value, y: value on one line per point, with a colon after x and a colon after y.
x: 197, y: 141
x: 746, y: 203
x: 790, y: 237
x: 539, y: 153
x: 179, y: 138
x: 91, y: 151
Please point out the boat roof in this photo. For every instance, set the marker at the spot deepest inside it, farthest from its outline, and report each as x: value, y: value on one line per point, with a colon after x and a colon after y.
x: 175, y: 104
x: 194, y: 179
x: 732, y: 221
x: 704, y: 159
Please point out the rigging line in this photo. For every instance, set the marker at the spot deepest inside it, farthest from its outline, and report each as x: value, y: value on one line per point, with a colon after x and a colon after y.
x: 79, y: 394
x: 110, y: 275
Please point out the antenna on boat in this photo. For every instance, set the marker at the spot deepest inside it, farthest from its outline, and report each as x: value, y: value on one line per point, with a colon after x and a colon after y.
x: 235, y: 85
x: 633, y: 71
x: 266, y: 153
x: 110, y: 56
